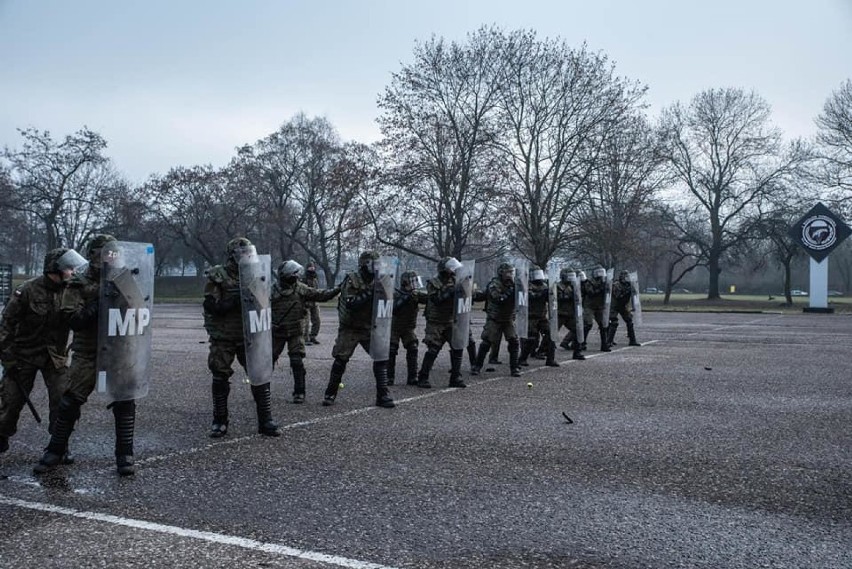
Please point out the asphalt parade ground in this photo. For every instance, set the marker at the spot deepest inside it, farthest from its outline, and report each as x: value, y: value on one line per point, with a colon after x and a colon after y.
x: 725, y: 441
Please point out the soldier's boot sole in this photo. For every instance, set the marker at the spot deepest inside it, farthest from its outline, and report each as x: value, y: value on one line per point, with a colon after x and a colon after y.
x: 218, y: 430
x: 124, y: 465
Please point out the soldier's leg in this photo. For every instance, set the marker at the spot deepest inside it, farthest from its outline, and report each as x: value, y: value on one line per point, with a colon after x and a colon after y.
x: 471, y: 349
x: 56, y: 381
x: 494, y: 356
x: 599, y: 319
x: 455, y: 368
x: 489, y: 332
x: 514, y: 347
x: 548, y: 345
x: 410, y: 343
x: 566, y: 341
x: 306, y: 330
x: 343, y: 349
x: 124, y: 413
x: 296, y: 352
x: 527, y: 347
x: 81, y: 383
x: 433, y: 339
x: 315, y: 324
x: 219, y: 360
x: 392, y: 352
x: 16, y: 385
x: 631, y: 331
x: 262, y: 395
x: 613, y: 326
x: 383, y: 398
x: 575, y: 346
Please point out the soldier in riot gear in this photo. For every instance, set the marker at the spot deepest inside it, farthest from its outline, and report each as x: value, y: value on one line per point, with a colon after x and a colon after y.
x: 567, y: 314
x: 34, y: 338
x: 355, y: 312
x: 406, y: 303
x: 622, y: 292
x: 289, y: 299
x: 539, y: 324
x: 594, y: 300
x: 312, y: 313
x: 223, y: 320
x: 500, y: 319
x: 80, y: 305
x: 441, y: 293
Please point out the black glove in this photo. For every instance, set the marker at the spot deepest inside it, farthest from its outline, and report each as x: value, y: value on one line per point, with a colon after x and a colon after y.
x: 360, y: 299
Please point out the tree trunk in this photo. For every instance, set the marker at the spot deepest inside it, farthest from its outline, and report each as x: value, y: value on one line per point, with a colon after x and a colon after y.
x: 713, y: 267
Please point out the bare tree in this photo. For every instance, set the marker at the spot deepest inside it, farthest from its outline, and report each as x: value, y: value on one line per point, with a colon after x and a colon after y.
x: 62, y: 184
x: 621, y: 210
x: 727, y: 158
x: 556, y: 108
x: 835, y: 143
x: 435, y: 119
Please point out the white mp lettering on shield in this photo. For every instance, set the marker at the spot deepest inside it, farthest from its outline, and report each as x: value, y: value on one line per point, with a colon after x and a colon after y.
x: 384, y: 309
x: 132, y: 323
x: 465, y: 305
x: 260, y: 320
x: 522, y: 299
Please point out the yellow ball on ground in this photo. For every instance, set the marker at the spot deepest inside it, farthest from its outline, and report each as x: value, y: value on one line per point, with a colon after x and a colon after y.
x: 341, y: 386
x: 529, y: 385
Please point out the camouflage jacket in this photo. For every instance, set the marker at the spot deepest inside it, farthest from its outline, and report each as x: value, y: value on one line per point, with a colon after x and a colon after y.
x: 440, y: 300
x: 621, y: 293
x: 500, y: 302
x: 80, y: 296
x: 538, y: 295
x: 312, y: 281
x: 226, y: 321
x: 288, y: 306
x: 594, y: 294
x: 406, y: 305
x: 565, y: 298
x: 355, y: 303
x: 32, y: 324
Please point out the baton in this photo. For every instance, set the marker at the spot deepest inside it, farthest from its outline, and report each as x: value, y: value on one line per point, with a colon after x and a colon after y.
x: 27, y: 398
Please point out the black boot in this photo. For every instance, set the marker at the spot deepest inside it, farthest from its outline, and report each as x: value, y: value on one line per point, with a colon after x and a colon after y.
x: 578, y: 351
x: 604, y: 342
x: 525, y: 352
x: 610, y: 332
x: 514, y: 348
x: 484, y: 348
x: 334, y: 378
x: 631, y: 334
x: 124, y: 413
x: 66, y: 417
x: 455, y: 369
x: 425, y: 368
x: 471, y: 352
x: 220, y: 389
x: 299, y: 373
x: 586, y: 330
x: 383, y: 398
x: 263, y: 401
x: 411, y: 366
x: 494, y: 357
x: 392, y: 364
x: 551, y: 355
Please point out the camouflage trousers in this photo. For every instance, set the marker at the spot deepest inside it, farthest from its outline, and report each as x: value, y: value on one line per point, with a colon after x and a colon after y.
x: 312, y: 322
x: 295, y: 346
x: 20, y: 380
x: 406, y: 336
x: 221, y: 356
x: 346, y: 342
x: 625, y: 312
x: 596, y: 316
x: 437, y: 334
x: 493, y: 330
x: 82, y: 376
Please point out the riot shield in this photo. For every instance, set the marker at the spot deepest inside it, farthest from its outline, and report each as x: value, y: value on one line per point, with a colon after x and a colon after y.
x: 607, y: 297
x: 578, y: 309
x: 522, y: 292
x: 463, y: 305
x: 634, y: 297
x: 126, y: 298
x: 255, y: 286
x: 383, y: 285
x: 553, y: 269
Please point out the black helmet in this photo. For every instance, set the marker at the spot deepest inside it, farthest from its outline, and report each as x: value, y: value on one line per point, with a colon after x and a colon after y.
x: 290, y: 269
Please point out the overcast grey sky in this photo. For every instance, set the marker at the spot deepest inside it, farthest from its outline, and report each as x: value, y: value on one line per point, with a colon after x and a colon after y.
x: 176, y: 82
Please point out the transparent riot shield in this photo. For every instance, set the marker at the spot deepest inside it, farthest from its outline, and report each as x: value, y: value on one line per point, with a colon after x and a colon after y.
x: 553, y: 269
x: 607, y: 296
x: 255, y: 286
x: 634, y: 297
x: 578, y: 309
x: 463, y: 305
x: 522, y: 292
x: 383, y: 284
x: 124, y: 320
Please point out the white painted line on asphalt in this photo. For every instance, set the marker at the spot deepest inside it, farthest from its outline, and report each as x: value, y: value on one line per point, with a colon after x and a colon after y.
x: 217, y: 538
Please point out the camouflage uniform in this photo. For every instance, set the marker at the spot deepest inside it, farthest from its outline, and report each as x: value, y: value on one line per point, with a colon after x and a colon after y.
x: 567, y: 316
x: 406, y: 306
x: 289, y: 298
x: 223, y: 320
x: 594, y: 302
x: 355, y: 314
x: 539, y: 323
x: 80, y: 306
x: 440, y: 314
x: 312, y: 313
x: 33, y: 338
x: 500, y: 309
x: 622, y: 293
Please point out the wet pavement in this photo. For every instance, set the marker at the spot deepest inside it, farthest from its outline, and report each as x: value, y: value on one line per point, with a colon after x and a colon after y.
x: 723, y: 442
